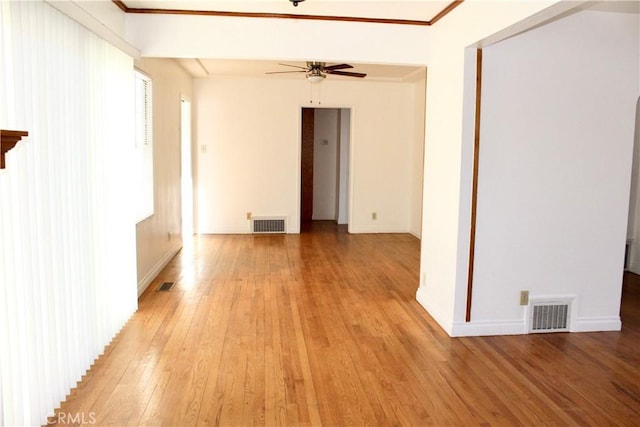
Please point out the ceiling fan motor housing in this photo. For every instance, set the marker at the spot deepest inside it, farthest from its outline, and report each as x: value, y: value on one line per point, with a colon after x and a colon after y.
x: 295, y: 2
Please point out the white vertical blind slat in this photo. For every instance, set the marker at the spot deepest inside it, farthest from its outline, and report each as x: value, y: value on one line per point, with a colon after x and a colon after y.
x: 67, y: 232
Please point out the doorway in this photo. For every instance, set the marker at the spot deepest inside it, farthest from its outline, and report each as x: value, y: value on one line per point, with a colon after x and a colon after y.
x: 186, y: 170
x: 324, y: 165
x: 632, y: 252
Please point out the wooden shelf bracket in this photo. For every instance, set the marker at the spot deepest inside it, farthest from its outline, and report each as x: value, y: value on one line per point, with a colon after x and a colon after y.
x: 8, y: 140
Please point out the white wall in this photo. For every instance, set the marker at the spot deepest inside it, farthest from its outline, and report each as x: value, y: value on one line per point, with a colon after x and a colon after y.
x: 325, y: 163
x: 155, y: 247
x: 558, y: 116
x: 449, y: 144
x: 251, y: 128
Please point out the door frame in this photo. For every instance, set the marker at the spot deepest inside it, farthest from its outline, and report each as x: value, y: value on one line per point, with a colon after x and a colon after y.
x: 351, y: 174
x: 191, y: 226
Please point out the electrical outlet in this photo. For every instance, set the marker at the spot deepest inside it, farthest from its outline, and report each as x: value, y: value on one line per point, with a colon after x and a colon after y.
x: 374, y: 216
x: 248, y: 215
x: 524, y: 297
x: 169, y: 236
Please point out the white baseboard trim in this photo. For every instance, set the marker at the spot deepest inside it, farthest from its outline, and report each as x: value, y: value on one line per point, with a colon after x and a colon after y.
x: 144, y: 283
x: 518, y: 327
x: 488, y: 328
x: 362, y: 229
x: 225, y: 231
x: 596, y: 324
x: 433, y: 311
x: 508, y: 327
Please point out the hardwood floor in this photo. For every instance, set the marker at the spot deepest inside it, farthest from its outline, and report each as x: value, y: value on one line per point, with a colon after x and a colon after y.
x: 323, y: 328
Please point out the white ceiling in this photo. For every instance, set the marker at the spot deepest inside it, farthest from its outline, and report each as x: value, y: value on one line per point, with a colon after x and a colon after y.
x: 422, y: 10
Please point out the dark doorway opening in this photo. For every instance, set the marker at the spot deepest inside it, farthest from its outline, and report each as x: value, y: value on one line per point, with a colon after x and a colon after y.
x: 306, y: 194
x: 324, y: 164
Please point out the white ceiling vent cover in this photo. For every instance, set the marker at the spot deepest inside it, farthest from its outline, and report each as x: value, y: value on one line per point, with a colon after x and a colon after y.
x: 550, y: 315
x: 268, y: 225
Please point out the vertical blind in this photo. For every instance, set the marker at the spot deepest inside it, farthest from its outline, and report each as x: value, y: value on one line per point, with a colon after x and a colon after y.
x: 67, y: 229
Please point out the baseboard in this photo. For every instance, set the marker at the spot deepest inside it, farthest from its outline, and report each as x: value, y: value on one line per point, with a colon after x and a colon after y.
x: 229, y: 230
x: 362, y: 229
x: 596, y: 324
x: 488, y: 328
x: 518, y: 327
x: 144, y: 283
x: 508, y: 327
x: 352, y: 229
x: 437, y: 315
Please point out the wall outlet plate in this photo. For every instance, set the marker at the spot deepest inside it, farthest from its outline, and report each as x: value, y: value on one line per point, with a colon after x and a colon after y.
x: 524, y: 297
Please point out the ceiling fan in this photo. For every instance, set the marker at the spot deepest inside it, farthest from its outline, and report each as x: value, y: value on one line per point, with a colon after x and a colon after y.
x: 317, y: 71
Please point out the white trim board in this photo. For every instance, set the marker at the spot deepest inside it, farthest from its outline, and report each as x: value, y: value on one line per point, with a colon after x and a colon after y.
x: 510, y: 327
x: 596, y: 324
x: 379, y: 229
x: 518, y: 327
x: 488, y: 328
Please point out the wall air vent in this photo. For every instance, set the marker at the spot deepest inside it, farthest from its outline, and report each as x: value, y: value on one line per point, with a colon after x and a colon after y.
x: 268, y: 225
x: 549, y: 316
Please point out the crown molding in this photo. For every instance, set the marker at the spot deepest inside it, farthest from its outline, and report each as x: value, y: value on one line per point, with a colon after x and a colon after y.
x: 436, y: 18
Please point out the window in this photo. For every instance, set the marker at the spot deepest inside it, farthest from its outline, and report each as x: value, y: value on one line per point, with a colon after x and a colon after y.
x: 144, y: 146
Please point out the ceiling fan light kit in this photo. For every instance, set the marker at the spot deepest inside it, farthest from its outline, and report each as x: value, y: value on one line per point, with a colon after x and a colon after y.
x: 316, y: 78
x: 295, y: 2
x: 316, y: 75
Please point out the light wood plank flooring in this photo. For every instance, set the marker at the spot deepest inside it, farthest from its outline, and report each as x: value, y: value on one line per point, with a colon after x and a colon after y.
x: 323, y: 328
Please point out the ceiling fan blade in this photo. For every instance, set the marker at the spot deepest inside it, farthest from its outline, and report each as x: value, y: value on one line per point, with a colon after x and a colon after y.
x: 285, y: 72
x: 295, y: 66
x: 346, y: 73
x: 337, y: 67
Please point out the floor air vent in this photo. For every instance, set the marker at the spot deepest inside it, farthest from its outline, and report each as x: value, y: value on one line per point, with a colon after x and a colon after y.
x: 268, y: 225
x: 550, y: 316
x: 165, y: 287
